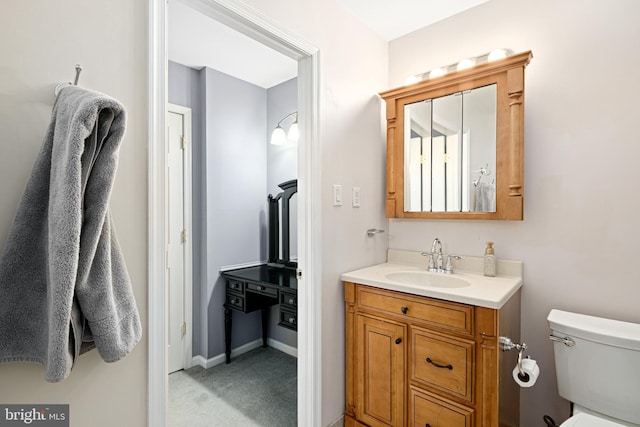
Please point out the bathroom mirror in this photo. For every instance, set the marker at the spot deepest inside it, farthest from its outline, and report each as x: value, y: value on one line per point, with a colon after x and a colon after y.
x: 455, y: 144
x: 450, y: 152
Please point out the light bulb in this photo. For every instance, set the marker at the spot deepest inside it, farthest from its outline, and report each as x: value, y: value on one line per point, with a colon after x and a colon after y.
x: 293, y: 133
x: 437, y: 72
x: 465, y: 63
x: 497, y: 54
x: 411, y: 80
x: 278, y: 137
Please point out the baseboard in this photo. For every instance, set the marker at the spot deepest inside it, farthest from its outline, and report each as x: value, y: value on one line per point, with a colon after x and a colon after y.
x: 338, y: 422
x: 220, y: 359
x: 291, y: 351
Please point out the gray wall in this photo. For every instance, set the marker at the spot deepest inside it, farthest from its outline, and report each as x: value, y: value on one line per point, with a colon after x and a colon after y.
x: 232, y: 122
x: 236, y: 168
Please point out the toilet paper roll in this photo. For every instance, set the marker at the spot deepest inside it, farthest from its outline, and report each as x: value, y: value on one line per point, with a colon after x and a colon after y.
x: 531, y: 372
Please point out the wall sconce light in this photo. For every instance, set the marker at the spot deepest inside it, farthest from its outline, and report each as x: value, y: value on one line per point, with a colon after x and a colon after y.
x: 279, y: 137
x: 461, y: 65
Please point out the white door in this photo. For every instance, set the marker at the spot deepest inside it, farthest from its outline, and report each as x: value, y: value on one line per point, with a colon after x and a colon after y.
x: 178, y: 244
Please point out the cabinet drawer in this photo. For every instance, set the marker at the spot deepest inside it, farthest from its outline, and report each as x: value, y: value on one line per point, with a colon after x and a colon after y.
x: 235, y: 301
x: 264, y: 290
x: 235, y: 286
x: 439, y: 314
x: 442, y: 362
x: 426, y: 409
x: 288, y: 319
x: 289, y: 299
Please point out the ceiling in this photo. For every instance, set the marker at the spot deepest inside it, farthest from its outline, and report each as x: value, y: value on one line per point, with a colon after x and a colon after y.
x: 197, y: 41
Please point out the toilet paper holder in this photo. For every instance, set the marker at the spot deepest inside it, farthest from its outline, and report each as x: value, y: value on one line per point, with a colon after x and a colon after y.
x: 506, y: 344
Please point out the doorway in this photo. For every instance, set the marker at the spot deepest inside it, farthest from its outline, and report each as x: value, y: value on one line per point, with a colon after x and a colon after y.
x: 248, y: 22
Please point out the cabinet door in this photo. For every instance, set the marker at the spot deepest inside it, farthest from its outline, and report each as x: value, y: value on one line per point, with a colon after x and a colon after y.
x: 381, y: 373
x: 426, y: 409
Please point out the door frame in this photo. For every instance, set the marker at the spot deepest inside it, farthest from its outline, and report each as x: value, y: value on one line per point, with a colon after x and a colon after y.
x: 253, y: 24
x: 187, y: 200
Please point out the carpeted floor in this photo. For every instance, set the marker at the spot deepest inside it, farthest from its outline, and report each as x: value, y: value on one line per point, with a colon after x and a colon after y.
x: 257, y: 388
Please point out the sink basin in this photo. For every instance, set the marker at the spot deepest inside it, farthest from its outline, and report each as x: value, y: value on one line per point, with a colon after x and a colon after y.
x: 425, y: 278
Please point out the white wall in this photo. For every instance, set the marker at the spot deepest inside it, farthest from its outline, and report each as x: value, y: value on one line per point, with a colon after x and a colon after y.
x: 40, y: 43
x: 580, y: 236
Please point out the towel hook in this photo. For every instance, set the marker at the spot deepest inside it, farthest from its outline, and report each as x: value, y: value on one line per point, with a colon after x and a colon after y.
x: 78, y: 71
x: 61, y: 86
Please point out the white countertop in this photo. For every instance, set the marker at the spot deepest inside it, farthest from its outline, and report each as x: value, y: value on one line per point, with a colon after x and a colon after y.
x: 490, y: 292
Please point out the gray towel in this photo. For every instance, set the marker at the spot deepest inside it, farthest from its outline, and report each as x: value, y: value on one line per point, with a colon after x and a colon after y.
x: 64, y: 286
x: 485, y: 197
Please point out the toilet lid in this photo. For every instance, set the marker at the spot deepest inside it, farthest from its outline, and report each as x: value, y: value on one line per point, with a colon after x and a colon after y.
x: 586, y: 420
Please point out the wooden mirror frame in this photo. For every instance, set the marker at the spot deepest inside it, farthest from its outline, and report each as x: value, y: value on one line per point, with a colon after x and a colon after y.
x: 508, y: 75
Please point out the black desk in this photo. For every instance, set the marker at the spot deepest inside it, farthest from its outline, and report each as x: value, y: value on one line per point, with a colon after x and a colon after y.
x: 258, y: 288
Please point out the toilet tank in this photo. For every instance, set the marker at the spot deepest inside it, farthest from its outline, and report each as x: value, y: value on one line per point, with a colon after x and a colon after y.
x: 601, y: 372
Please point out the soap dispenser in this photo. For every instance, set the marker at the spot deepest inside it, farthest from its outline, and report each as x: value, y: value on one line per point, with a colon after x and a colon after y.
x: 489, y: 260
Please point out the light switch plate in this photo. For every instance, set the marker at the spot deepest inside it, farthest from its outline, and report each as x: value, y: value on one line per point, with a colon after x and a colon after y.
x: 355, y: 197
x: 337, y: 195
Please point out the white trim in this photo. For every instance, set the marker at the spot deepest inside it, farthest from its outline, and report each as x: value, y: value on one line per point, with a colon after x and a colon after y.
x: 280, y: 346
x: 309, y: 244
x: 157, y: 300
x: 221, y: 358
x: 255, y: 25
x: 188, y: 225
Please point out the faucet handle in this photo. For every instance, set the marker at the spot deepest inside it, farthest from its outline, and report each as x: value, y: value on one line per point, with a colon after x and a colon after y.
x: 432, y: 263
x: 448, y: 269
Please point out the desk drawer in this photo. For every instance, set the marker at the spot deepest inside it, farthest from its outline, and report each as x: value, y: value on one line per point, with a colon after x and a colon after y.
x: 235, y: 301
x: 288, y: 319
x: 261, y: 289
x: 439, y: 314
x: 235, y: 286
x: 442, y: 362
x: 290, y: 299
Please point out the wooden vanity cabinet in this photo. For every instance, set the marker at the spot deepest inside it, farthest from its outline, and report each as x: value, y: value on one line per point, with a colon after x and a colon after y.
x: 419, y: 361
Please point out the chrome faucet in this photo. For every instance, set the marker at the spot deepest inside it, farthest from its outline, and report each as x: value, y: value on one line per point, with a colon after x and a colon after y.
x: 436, y: 259
x: 435, y: 256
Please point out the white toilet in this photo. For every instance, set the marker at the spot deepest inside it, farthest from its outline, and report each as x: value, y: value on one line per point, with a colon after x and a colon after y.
x: 598, y: 369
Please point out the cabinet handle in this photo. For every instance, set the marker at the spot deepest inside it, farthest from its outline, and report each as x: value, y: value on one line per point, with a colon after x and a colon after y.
x: 404, y: 310
x: 437, y: 365
x: 398, y: 340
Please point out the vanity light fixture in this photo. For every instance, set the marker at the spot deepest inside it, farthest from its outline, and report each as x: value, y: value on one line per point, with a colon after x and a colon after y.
x: 279, y: 137
x: 494, y: 55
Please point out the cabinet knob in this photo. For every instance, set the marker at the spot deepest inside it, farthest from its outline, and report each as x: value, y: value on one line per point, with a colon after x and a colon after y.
x: 291, y: 300
x: 398, y: 340
x: 404, y: 310
x: 427, y: 425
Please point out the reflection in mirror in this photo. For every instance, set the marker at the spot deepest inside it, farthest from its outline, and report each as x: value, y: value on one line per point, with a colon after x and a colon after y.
x: 451, y: 152
x: 283, y: 226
